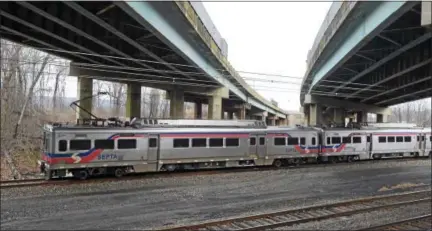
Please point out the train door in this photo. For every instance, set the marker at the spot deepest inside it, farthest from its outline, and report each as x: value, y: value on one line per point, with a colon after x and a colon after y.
x: 262, y: 147
x: 257, y: 146
x: 369, y: 143
x: 421, y: 143
x: 153, y: 149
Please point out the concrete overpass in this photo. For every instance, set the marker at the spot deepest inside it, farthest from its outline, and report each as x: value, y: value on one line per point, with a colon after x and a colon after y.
x: 368, y: 56
x: 166, y: 45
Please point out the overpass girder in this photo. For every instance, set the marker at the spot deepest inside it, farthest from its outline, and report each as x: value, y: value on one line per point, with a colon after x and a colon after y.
x: 372, y: 24
x: 146, y: 15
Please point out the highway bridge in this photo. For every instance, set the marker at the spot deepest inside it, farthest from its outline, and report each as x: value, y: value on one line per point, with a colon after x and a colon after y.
x: 166, y: 45
x: 366, y: 57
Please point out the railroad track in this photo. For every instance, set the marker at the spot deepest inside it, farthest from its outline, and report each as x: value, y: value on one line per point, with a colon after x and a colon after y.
x: 313, y: 213
x: 20, y: 183
x: 70, y: 181
x: 415, y: 223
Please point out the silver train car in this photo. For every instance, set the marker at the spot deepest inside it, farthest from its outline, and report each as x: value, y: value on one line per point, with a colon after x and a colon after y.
x: 87, y: 151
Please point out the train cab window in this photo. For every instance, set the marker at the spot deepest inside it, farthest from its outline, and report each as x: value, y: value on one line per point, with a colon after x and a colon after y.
x: 261, y: 141
x: 328, y: 140
x: 336, y: 140
x: 252, y: 141
x: 356, y: 139
x: 407, y: 138
x: 152, y: 143
x: 293, y: 141
x: 313, y: 141
x: 390, y: 139
x: 303, y: 141
x: 382, y: 139
x: 399, y: 139
x: 279, y: 141
x: 199, y: 142
x: 346, y: 140
x: 126, y: 144
x: 80, y: 144
x: 216, y: 142
x: 181, y: 143
x: 62, y: 145
x: 104, y: 144
x: 232, y: 142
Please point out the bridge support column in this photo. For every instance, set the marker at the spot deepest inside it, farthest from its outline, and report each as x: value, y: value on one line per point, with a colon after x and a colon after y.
x: 198, y: 110
x: 215, y: 110
x: 84, y: 90
x: 241, y: 113
x: 339, y: 116
x: 271, y: 121
x: 176, y: 104
x: 381, y: 118
x: 315, y: 115
x: 361, y: 116
x: 426, y: 14
x: 133, y: 101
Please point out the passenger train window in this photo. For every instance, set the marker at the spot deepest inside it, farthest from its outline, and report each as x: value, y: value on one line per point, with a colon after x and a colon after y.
x: 356, y: 139
x: 368, y: 139
x: 336, y: 140
x: 80, y: 144
x: 199, y: 142
x: 62, y: 145
x: 231, y: 142
x: 328, y: 140
x: 303, y: 141
x: 390, y: 139
x: 152, y: 143
x: 423, y: 138
x: 430, y: 138
x: 382, y: 139
x: 313, y: 141
x: 407, y: 138
x: 261, y: 141
x: 399, y: 139
x: 292, y: 140
x: 418, y: 138
x: 181, y: 143
x: 126, y: 144
x: 279, y: 141
x: 252, y: 141
x: 346, y: 140
x: 104, y: 144
x: 216, y: 142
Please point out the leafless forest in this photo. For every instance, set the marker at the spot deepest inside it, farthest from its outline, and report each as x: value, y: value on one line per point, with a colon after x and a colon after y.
x: 33, y: 92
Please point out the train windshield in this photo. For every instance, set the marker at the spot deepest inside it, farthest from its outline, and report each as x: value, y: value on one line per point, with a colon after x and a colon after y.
x: 46, y: 141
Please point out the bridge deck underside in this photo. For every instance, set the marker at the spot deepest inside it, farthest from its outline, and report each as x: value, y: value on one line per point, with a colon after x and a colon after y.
x: 91, y: 35
x: 394, y: 67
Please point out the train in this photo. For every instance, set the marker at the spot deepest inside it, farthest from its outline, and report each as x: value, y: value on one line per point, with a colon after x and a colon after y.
x: 87, y: 149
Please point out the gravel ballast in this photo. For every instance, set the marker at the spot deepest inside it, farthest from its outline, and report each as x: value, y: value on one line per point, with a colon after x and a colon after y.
x: 153, y: 202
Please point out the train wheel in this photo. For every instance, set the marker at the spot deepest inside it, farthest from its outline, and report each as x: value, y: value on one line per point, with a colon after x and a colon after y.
x: 119, y: 172
x: 333, y: 159
x: 81, y: 174
x: 350, y: 159
x: 277, y: 163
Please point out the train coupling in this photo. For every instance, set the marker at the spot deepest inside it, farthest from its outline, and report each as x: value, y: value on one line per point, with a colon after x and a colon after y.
x: 42, y: 166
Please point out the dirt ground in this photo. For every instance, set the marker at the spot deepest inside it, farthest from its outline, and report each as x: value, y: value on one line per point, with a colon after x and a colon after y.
x: 25, y: 163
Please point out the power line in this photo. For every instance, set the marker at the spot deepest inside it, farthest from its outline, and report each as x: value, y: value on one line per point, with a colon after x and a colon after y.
x: 149, y: 61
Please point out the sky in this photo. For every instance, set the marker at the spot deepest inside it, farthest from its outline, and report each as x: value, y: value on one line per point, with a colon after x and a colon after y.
x: 268, y: 38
